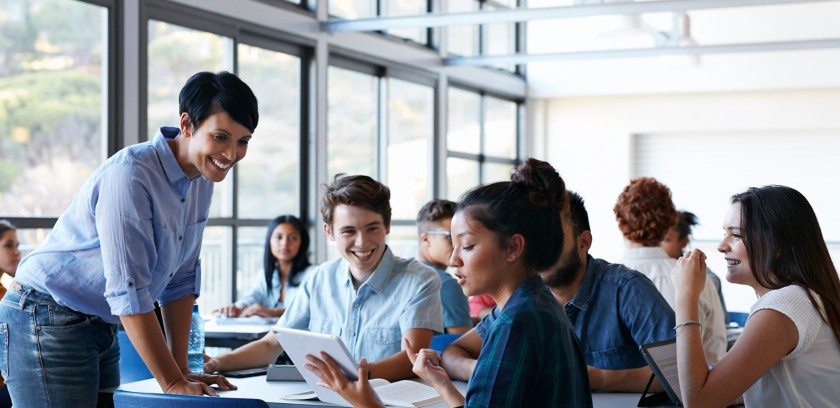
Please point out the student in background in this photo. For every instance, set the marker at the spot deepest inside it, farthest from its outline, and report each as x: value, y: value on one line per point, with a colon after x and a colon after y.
x: 613, y: 309
x: 434, y: 249
x: 789, y: 352
x: 369, y: 297
x: 675, y: 242
x: 480, y: 306
x: 525, y: 353
x: 131, y: 236
x: 645, y: 213
x: 285, y: 264
x: 9, y: 260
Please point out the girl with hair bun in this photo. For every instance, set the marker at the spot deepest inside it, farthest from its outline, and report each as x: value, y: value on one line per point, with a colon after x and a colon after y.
x: 524, y: 353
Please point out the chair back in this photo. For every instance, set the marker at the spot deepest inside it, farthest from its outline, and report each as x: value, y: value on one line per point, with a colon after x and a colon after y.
x: 440, y: 341
x: 130, y: 399
x: 132, y: 367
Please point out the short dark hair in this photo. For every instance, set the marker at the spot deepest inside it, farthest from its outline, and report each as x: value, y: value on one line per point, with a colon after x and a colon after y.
x: 684, y: 226
x: 785, y: 246
x: 206, y: 93
x: 434, y: 211
x: 301, y: 260
x: 645, y: 212
x: 529, y: 204
x: 578, y: 215
x: 359, y: 191
x: 6, y: 226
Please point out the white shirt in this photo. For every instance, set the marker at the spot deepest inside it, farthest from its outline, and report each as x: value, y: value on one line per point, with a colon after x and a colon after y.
x: 810, y: 375
x: 657, y: 265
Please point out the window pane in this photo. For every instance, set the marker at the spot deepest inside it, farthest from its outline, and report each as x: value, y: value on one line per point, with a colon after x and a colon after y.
x: 403, y: 240
x: 410, y: 128
x: 250, y: 251
x: 463, y: 129
x: 215, y: 268
x: 499, y: 39
x: 268, y: 178
x: 351, y: 9
x: 461, y: 175
x: 500, y: 128
x: 31, y: 238
x: 461, y: 40
x: 52, y: 103
x: 493, y: 172
x: 351, y: 133
x: 170, y: 67
x: 393, y: 8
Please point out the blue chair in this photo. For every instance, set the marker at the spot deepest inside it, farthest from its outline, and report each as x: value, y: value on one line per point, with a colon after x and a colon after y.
x: 132, y: 367
x: 440, y: 341
x: 130, y: 399
x: 739, y: 318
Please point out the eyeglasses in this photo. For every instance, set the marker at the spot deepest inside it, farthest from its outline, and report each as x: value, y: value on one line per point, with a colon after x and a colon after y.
x: 447, y: 234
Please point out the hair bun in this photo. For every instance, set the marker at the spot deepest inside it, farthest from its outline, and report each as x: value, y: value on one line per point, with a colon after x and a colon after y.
x: 545, y: 186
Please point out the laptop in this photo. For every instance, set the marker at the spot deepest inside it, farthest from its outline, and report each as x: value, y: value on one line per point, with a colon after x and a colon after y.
x: 661, y: 357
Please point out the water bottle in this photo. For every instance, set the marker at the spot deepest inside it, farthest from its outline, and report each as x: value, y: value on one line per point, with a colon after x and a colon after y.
x: 195, y: 349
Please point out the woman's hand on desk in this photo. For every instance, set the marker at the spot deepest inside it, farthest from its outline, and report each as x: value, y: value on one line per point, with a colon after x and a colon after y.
x: 261, y: 311
x: 198, y: 384
x: 228, y: 311
x: 211, y: 379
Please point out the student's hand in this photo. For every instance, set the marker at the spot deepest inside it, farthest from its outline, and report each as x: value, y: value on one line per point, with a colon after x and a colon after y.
x: 211, y: 379
x: 358, y: 393
x: 211, y: 365
x: 689, y: 275
x: 255, y: 310
x: 228, y: 311
x: 426, y: 364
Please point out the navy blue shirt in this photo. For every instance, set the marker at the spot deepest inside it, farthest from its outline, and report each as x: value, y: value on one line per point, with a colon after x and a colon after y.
x: 529, y: 355
x: 615, y: 311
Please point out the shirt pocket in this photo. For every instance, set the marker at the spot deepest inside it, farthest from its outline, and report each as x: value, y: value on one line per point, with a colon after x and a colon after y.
x: 382, y: 336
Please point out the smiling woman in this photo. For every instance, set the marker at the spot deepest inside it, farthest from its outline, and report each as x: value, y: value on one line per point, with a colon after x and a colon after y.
x: 133, y: 234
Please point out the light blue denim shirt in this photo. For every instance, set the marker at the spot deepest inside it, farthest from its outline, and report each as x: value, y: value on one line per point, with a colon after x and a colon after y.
x: 131, y: 236
x: 259, y: 293
x: 400, y: 295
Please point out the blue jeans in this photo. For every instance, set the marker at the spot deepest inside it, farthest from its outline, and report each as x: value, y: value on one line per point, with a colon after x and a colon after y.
x: 52, y: 356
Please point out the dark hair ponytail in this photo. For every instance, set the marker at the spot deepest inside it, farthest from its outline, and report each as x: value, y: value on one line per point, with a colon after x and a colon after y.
x: 530, y: 205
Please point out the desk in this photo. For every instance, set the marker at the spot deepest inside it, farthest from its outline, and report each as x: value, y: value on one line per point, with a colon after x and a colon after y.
x: 272, y: 392
x: 234, y: 334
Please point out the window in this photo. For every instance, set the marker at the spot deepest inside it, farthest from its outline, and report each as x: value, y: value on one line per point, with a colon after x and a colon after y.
x: 53, y: 105
x: 352, y: 130
x: 481, y: 140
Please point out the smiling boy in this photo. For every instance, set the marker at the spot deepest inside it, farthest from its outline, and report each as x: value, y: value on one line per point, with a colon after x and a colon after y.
x: 368, y: 297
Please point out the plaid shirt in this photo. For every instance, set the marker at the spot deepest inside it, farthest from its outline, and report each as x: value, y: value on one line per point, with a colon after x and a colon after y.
x: 529, y: 356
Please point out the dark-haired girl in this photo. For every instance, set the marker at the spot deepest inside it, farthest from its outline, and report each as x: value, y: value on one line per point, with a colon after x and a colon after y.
x: 789, y: 352
x: 285, y: 263
x: 524, y: 353
x: 130, y: 237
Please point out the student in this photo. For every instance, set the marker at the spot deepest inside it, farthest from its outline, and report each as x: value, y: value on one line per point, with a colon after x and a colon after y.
x: 613, y: 309
x: 789, y: 352
x: 369, y: 297
x: 434, y: 249
x: 9, y: 260
x: 285, y: 264
x: 675, y: 242
x: 481, y: 306
x: 645, y: 213
x: 131, y: 236
x: 525, y: 353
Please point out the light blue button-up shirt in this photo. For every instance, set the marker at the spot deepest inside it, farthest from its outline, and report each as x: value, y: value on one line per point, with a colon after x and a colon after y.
x: 131, y: 236
x: 400, y: 295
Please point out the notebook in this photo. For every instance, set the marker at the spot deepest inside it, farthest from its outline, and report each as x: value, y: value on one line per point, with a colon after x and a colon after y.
x: 661, y: 357
x: 299, y: 343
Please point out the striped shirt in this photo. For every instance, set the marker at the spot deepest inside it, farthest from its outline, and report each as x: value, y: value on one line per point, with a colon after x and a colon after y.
x: 529, y: 356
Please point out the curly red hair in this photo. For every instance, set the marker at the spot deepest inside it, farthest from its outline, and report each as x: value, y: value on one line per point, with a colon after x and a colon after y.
x: 645, y: 211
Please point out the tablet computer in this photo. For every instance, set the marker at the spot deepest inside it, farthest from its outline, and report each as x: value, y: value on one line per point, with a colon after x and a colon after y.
x: 299, y: 343
x: 661, y: 357
x: 244, y: 373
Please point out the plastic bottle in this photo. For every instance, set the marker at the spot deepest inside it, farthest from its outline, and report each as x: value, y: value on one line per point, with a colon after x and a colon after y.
x: 195, y: 349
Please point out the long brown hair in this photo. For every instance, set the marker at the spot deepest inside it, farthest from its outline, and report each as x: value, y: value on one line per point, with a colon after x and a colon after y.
x: 785, y: 246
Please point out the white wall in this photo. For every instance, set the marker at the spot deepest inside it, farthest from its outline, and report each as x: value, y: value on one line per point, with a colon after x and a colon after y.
x: 588, y: 139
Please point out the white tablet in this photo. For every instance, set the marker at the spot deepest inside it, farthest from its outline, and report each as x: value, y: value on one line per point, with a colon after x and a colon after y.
x: 299, y: 343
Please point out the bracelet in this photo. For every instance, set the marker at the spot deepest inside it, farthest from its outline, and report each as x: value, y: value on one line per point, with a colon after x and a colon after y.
x: 688, y: 323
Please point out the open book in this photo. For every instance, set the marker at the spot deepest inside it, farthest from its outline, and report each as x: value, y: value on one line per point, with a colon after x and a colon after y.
x: 405, y: 393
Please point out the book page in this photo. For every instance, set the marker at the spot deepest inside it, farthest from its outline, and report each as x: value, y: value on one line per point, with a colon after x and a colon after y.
x: 407, y: 393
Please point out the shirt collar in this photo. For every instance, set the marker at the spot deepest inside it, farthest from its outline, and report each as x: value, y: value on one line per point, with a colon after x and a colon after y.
x: 584, y: 293
x: 380, y: 276
x: 173, y: 170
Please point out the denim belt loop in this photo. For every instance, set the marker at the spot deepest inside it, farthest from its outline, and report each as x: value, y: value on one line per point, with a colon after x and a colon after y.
x: 24, y: 292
